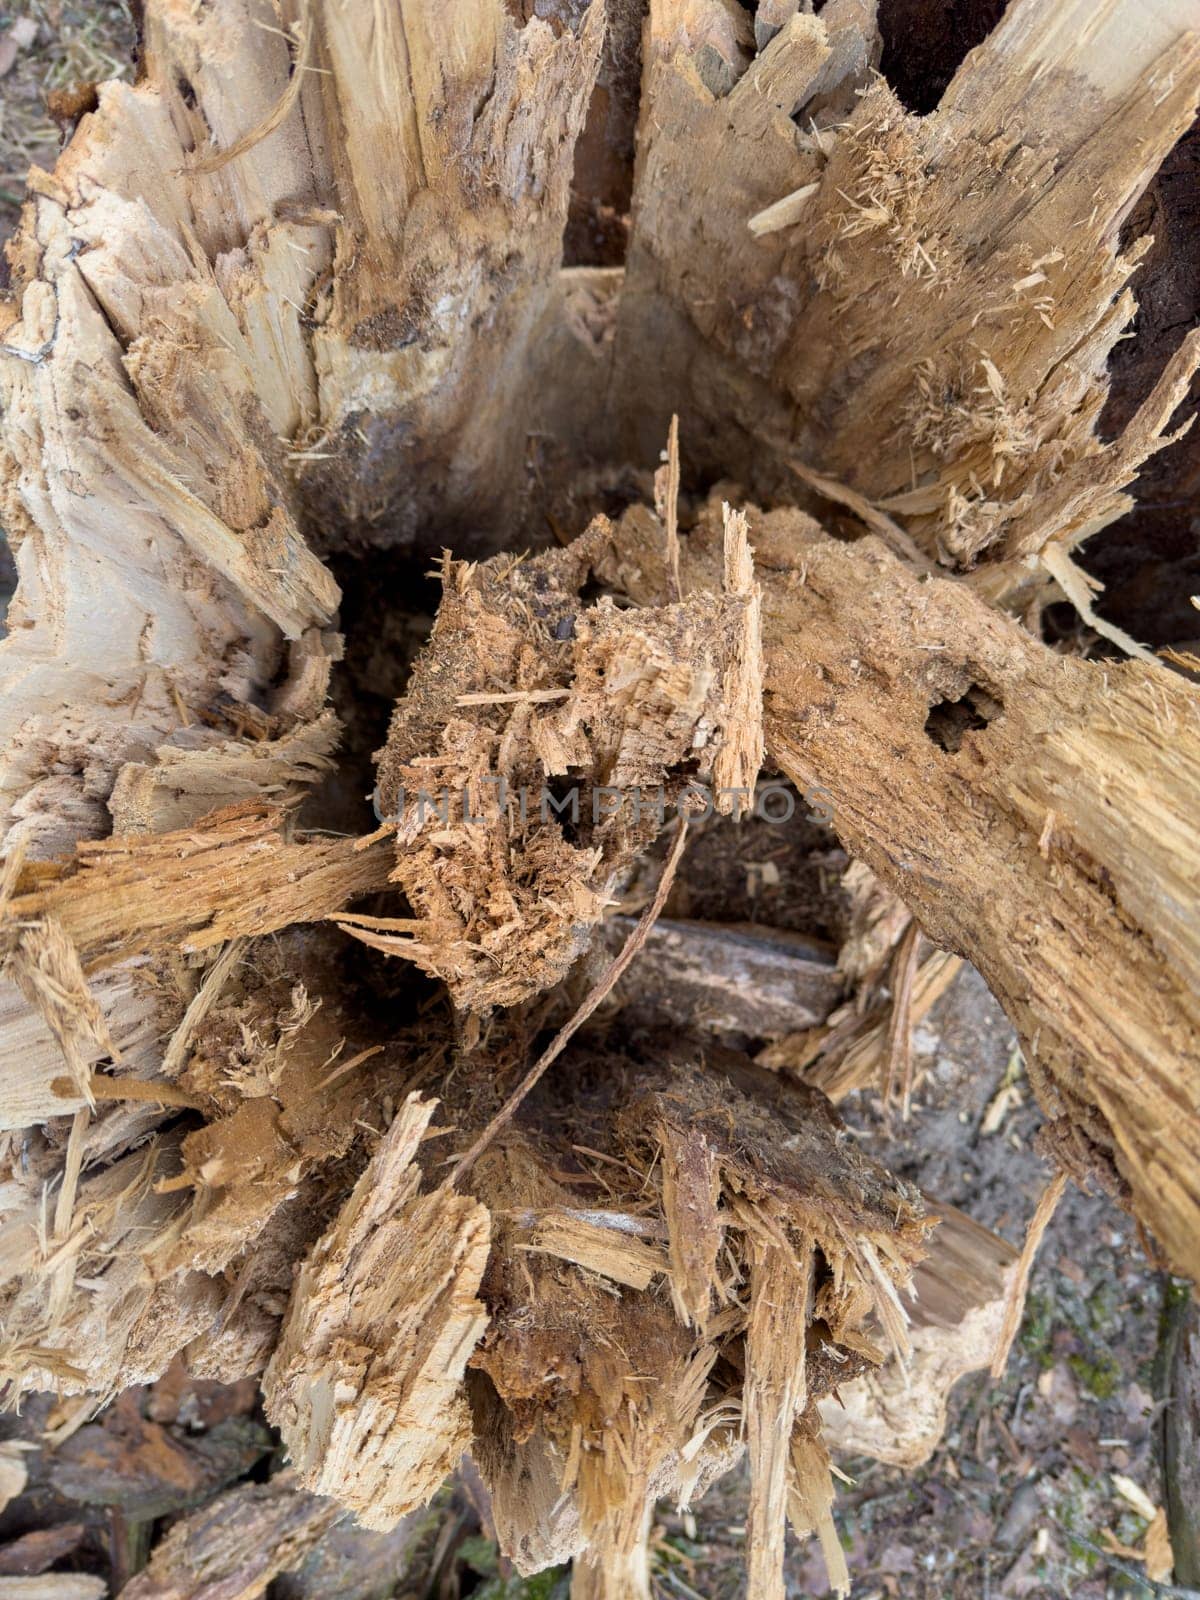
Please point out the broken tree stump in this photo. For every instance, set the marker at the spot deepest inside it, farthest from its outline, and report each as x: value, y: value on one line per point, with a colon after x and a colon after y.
x: 295, y: 302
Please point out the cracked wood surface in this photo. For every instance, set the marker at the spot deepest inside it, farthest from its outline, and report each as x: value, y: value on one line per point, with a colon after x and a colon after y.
x: 1055, y: 845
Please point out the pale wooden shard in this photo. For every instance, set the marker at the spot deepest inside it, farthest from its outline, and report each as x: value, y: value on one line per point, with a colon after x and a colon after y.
x: 810, y: 1501
x: 850, y: 1052
x: 365, y: 1384
x: 691, y: 1190
x: 740, y: 751
x: 54, y: 1586
x: 187, y: 781
x: 606, y: 1244
x: 959, y: 1294
x: 13, y: 1472
x: 776, y: 1395
x: 82, y: 1310
x: 1014, y: 1309
x: 784, y: 213
x: 44, y: 966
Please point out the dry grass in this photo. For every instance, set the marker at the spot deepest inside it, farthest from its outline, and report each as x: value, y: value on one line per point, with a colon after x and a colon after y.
x: 78, y: 41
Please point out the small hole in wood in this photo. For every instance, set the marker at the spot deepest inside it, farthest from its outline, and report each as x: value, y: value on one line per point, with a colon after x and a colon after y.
x: 949, y: 720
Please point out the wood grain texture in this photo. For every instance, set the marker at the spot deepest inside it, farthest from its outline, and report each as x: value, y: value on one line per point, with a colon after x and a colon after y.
x: 1055, y: 845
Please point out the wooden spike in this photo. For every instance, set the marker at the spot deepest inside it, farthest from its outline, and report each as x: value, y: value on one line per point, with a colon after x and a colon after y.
x: 810, y: 1502
x: 365, y: 1383
x: 775, y: 1395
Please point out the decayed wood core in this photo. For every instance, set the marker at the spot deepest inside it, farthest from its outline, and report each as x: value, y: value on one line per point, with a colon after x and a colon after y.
x: 294, y: 301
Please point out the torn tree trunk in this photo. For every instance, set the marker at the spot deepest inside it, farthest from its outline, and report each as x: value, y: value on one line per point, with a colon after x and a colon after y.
x: 297, y: 297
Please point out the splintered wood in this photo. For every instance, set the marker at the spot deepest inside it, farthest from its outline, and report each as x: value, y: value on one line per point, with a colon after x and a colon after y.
x: 980, y: 735
x: 919, y: 309
x: 294, y: 302
x: 781, y: 1261
x: 524, y: 686
x: 366, y: 1381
